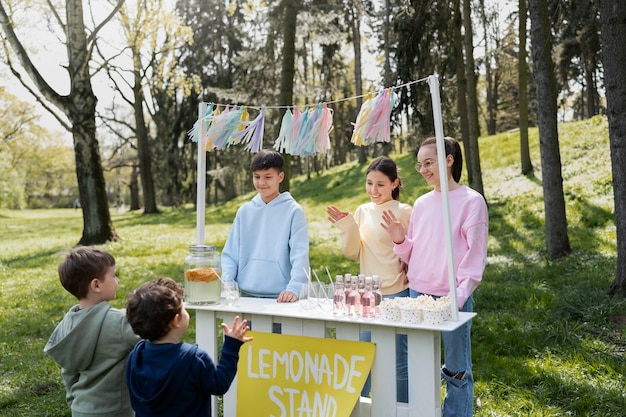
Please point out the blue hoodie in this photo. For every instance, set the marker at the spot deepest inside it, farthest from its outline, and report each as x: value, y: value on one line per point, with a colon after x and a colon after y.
x: 267, y: 250
x: 178, y: 379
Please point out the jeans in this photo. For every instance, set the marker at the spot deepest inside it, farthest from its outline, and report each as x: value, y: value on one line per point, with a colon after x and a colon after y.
x: 402, y: 374
x: 457, y: 360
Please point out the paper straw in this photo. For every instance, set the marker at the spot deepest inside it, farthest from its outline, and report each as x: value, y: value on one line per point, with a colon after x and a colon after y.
x: 318, y: 280
x: 308, y: 274
x: 329, y: 277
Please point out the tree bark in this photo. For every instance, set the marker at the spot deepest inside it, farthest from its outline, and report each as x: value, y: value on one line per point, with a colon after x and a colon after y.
x: 613, y: 32
x: 461, y: 83
x: 522, y: 70
x: 98, y: 227
x: 134, y: 190
x: 472, y: 99
x: 358, y: 81
x: 143, y: 146
x: 489, y: 75
x: 290, y: 8
x: 557, y: 240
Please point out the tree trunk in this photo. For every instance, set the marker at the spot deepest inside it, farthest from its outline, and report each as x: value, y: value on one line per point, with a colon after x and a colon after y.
x: 472, y: 99
x: 97, y: 226
x: 489, y: 76
x: 613, y: 32
x: 387, y: 73
x: 134, y: 190
x: 290, y: 8
x: 143, y: 147
x: 461, y: 83
x: 522, y: 70
x: 590, y: 91
x: 358, y: 81
x: 557, y: 240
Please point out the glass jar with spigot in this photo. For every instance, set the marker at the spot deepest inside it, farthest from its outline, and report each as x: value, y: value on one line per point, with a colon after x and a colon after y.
x: 202, y: 275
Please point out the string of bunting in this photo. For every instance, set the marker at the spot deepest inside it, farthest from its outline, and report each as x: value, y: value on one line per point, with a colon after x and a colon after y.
x: 302, y: 132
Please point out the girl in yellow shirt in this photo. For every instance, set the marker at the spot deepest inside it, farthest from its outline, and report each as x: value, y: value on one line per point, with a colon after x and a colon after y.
x: 365, y: 240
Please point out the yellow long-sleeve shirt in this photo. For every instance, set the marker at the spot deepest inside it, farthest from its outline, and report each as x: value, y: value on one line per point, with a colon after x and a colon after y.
x: 365, y: 241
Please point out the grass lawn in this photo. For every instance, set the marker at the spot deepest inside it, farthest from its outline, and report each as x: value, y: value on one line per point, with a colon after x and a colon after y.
x: 547, y: 340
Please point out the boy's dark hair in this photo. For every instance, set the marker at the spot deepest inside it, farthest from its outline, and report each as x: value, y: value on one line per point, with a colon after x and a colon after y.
x: 388, y: 167
x: 152, y: 306
x: 81, y: 266
x: 266, y: 159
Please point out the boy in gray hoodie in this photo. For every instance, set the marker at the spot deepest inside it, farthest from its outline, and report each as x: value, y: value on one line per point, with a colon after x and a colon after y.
x: 93, y: 340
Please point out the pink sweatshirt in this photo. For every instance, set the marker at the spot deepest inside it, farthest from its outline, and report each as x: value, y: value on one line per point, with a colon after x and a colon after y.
x: 424, y: 248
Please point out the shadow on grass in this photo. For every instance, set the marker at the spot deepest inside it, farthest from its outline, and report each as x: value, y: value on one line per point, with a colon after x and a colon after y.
x: 38, y: 259
x: 545, y: 328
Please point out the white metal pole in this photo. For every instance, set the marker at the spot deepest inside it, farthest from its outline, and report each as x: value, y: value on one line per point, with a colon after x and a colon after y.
x: 433, y: 82
x: 201, y: 178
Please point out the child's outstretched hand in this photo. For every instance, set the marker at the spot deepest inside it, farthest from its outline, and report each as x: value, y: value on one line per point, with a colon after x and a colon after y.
x: 334, y: 214
x: 238, y: 330
x: 393, y: 226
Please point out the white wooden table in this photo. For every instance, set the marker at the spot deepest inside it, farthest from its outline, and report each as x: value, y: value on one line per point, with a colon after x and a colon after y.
x: 424, y: 347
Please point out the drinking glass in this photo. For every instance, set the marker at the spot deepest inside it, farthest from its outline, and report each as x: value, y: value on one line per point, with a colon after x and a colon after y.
x: 230, y: 292
x: 325, y: 296
x: 307, y: 299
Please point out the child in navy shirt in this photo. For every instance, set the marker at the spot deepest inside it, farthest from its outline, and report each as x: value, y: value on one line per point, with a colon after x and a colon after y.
x: 165, y: 376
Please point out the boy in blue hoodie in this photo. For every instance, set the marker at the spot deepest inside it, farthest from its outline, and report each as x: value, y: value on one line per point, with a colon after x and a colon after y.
x: 167, y: 378
x: 267, y: 250
x: 93, y: 340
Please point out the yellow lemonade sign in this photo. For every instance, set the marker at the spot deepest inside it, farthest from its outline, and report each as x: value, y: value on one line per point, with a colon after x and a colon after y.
x: 295, y: 376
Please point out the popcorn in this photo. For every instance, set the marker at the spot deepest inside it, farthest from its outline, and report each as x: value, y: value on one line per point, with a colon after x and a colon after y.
x: 423, y: 309
x: 389, y: 310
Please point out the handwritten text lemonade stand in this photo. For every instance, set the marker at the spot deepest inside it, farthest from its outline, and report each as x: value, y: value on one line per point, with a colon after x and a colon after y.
x: 424, y: 340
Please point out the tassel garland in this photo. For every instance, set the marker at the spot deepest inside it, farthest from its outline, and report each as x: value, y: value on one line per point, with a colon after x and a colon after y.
x: 301, y: 133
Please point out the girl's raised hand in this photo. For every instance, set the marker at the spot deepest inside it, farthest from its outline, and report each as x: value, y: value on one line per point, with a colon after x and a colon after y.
x: 393, y: 226
x: 238, y: 331
x: 334, y: 214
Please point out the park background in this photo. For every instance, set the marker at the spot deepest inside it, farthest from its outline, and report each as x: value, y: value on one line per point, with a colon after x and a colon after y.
x: 547, y: 341
x: 101, y: 113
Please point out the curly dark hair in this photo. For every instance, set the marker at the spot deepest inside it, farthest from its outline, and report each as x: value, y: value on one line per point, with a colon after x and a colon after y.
x: 152, y: 306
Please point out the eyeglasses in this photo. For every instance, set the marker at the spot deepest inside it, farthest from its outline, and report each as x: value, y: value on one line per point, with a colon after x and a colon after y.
x: 426, y: 165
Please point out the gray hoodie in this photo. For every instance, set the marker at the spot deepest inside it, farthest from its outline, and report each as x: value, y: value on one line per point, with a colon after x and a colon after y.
x: 92, y: 346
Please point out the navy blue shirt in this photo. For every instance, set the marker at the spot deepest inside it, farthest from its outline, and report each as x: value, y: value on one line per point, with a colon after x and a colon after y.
x: 178, y: 379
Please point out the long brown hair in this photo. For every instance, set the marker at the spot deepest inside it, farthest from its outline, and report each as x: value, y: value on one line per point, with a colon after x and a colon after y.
x: 388, y: 167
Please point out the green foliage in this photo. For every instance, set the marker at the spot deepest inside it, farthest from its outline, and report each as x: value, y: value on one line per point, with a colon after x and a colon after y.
x: 547, y: 340
x: 36, y: 167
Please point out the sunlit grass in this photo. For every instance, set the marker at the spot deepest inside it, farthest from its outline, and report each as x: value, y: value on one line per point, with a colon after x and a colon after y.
x: 547, y: 340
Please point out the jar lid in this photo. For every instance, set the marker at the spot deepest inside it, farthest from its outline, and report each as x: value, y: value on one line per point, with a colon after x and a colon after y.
x: 202, y: 248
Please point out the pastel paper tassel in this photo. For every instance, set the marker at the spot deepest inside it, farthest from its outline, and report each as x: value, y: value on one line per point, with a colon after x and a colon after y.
x: 282, y: 143
x: 322, y: 140
x: 358, y: 135
x: 314, y: 137
x: 226, y: 126
x: 194, y: 132
x: 252, y: 134
x: 302, y: 146
x: 378, y: 126
x: 296, y: 122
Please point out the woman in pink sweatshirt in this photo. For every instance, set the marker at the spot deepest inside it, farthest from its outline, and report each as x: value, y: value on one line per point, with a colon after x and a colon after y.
x: 423, y: 248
